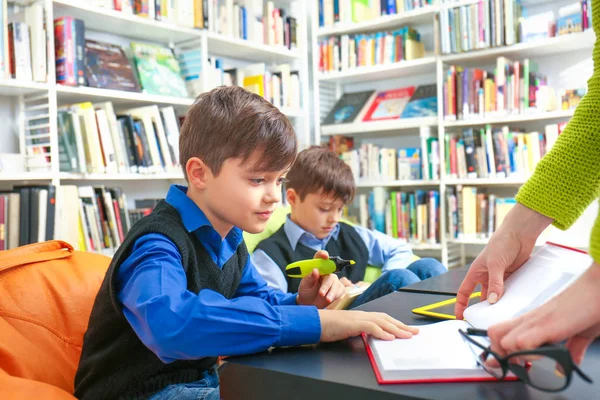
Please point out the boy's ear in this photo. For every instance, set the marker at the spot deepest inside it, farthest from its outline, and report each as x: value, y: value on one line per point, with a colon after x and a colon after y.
x: 198, y: 173
x: 292, y: 197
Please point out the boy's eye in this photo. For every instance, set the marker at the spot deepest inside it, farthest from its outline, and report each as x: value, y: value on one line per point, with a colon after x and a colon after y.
x: 324, y: 209
x: 257, y: 181
x: 281, y: 181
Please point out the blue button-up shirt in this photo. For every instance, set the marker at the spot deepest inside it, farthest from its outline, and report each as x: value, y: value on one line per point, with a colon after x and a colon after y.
x: 177, y: 324
x: 385, y: 252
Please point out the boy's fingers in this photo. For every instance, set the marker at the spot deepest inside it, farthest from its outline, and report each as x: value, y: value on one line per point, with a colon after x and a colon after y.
x: 322, y: 254
x: 326, y: 284
x: 336, y: 291
x: 412, y: 329
x: 371, y: 328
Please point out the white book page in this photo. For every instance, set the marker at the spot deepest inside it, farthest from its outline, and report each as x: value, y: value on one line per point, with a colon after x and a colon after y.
x: 547, y: 273
x: 436, y: 347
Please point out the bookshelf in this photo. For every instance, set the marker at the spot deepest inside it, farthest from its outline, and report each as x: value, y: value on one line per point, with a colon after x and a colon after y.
x: 571, y: 52
x: 25, y: 101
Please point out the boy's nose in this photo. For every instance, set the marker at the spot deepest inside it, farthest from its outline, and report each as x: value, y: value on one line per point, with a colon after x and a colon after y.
x: 273, y: 195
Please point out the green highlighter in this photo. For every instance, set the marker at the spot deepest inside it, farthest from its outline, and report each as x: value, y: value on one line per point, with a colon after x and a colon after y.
x: 300, y: 269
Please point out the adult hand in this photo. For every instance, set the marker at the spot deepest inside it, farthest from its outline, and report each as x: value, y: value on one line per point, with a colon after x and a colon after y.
x: 574, y: 315
x: 508, y: 248
x: 339, y: 324
x: 319, y: 290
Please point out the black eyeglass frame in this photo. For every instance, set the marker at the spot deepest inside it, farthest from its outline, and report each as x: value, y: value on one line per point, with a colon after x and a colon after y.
x: 556, y: 352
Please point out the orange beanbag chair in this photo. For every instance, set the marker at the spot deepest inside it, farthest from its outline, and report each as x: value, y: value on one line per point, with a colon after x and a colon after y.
x: 46, y: 295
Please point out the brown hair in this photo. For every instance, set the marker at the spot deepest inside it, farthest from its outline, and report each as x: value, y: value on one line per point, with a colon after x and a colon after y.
x: 230, y: 122
x: 318, y: 169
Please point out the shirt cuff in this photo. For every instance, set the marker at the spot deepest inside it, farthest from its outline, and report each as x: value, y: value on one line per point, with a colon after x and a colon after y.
x: 289, y: 300
x: 299, y: 325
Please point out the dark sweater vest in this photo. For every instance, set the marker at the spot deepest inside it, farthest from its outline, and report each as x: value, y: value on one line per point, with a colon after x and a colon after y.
x: 114, y: 363
x: 348, y: 245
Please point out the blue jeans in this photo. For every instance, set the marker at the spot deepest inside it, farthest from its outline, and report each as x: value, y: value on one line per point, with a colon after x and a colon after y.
x: 393, y: 280
x: 206, y: 388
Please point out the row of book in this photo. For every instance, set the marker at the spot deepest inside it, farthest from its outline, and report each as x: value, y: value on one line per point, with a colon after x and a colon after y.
x: 94, y: 139
x: 369, y: 105
x: 278, y: 84
x: 346, y: 52
x: 23, y: 52
x: 497, y: 153
x: 343, y: 12
x: 81, y: 62
x: 474, y: 215
x: 493, y: 23
x: 92, y: 219
x: 413, y: 216
x: 514, y: 87
x: 371, y: 163
x: 255, y: 20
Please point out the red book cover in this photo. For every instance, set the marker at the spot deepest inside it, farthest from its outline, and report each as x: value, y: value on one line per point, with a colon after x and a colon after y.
x: 389, y: 104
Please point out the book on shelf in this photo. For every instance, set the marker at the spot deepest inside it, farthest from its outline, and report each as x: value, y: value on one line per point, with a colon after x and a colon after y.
x: 348, y: 107
x: 347, y: 52
x: 493, y: 23
x: 158, y: 70
x: 346, y: 12
x: 497, y: 152
x: 373, y: 164
x: 107, y: 67
x: 473, y: 213
x: 412, y: 216
x: 423, y: 103
x: 389, y: 104
x: 514, y: 87
x: 438, y: 353
x: 94, y: 138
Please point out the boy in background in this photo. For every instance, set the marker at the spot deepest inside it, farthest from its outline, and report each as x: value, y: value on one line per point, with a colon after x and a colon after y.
x: 181, y: 290
x: 319, y: 185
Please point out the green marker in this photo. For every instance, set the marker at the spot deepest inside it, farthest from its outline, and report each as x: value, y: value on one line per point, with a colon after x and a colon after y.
x: 303, y: 268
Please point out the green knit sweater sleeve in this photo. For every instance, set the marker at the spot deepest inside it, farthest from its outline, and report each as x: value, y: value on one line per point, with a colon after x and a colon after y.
x: 567, y: 179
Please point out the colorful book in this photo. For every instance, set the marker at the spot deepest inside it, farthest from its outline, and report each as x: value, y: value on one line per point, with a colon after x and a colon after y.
x: 107, y: 67
x: 348, y: 107
x: 158, y: 70
x: 423, y: 103
x: 389, y: 104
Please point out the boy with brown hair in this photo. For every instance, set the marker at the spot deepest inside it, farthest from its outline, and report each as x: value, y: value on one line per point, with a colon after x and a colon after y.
x: 182, y: 290
x: 319, y: 185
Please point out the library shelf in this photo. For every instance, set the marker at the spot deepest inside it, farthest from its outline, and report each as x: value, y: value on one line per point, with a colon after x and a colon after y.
x: 394, y: 125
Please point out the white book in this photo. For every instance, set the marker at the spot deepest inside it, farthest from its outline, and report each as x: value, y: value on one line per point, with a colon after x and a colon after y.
x: 42, y: 216
x: 108, y: 149
x: 33, y: 16
x: 153, y: 121
x: 439, y: 353
x: 91, y: 142
x: 118, y: 140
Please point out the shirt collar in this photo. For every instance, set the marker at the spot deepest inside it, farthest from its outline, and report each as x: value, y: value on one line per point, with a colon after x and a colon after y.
x: 193, y: 217
x: 294, y: 233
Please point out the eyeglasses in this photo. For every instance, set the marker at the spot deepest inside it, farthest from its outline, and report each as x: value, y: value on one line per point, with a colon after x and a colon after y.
x: 548, y: 368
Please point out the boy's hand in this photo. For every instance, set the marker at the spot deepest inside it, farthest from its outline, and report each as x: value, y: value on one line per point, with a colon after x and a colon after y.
x: 319, y: 290
x: 338, y: 325
x: 346, y: 282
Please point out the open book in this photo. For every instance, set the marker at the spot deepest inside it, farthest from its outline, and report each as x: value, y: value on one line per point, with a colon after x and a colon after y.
x: 439, y: 353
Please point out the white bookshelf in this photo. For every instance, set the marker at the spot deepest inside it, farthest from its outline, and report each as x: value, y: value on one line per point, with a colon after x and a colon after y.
x: 396, y: 184
x: 13, y: 87
x: 556, y: 52
x: 417, y: 16
x: 76, y: 94
x: 120, y: 24
x: 380, y: 72
x: 362, y: 128
x: 117, y: 27
x: 511, y: 119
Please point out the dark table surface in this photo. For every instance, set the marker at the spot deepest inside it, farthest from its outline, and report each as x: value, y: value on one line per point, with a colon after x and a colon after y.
x: 342, y: 370
x: 447, y: 283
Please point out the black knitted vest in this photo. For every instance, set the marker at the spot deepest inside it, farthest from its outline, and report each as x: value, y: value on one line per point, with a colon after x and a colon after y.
x: 348, y: 245
x: 114, y: 363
